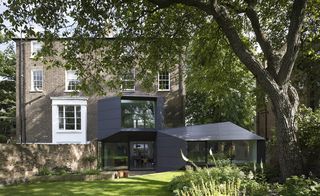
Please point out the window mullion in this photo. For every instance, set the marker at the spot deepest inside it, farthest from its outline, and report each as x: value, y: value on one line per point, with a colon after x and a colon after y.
x: 64, y: 117
x: 75, y: 117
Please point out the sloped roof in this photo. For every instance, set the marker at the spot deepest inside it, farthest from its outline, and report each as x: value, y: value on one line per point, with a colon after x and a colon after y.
x: 223, y: 131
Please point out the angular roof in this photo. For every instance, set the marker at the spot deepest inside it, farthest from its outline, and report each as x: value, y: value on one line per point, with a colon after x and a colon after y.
x: 223, y: 131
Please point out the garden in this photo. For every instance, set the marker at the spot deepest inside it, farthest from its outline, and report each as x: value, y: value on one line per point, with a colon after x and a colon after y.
x: 151, y: 184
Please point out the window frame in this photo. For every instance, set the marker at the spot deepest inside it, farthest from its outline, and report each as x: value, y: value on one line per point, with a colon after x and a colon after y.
x: 32, y: 53
x: 60, y: 136
x: 124, y: 116
x: 162, y: 80
x: 64, y: 118
x: 32, y: 87
x: 67, y: 81
x: 129, y: 80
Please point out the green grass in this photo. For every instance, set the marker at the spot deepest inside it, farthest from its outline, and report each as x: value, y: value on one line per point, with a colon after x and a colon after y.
x: 151, y: 184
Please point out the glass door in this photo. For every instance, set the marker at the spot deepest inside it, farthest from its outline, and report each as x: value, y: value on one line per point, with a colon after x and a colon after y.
x: 141, y: 155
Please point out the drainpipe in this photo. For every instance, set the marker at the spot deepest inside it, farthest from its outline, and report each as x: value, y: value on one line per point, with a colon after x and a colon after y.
x: 21, y: 91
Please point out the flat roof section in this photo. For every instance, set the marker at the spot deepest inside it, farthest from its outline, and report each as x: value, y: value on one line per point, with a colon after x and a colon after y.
x: 224, y: 131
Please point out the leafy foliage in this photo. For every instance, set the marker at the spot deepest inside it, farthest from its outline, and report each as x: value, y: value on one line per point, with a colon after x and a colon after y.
x: 247, y: 179
x: 219, y: 87
x: 299, y: 185
x: 309, y: 132
x: 7, y: 89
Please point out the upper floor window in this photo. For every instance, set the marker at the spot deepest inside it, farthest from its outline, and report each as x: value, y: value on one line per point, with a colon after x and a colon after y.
x: 164, y: 81
x: 69, y: 117
x: 72, y: 81
x: 138, y: 113
x: 128, y: 81
x: 35, y: 48
x: 36, y: 80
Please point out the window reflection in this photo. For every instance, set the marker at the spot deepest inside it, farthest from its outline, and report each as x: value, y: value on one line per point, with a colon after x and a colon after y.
x: 138, y: 114
x: 115, y: 156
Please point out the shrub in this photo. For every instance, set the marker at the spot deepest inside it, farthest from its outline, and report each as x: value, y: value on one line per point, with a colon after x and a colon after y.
x: 217, y: 174
x: 201, y: 180
x: 61, y: 170
x: 44, y: 171
x: 212, y: 188
x: 3, y: 138
x: 297, y: 186
x: 309, y: 132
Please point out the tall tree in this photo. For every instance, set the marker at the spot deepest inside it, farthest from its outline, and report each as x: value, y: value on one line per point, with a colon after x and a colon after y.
x: 153, y: 33
x: 7, y: 90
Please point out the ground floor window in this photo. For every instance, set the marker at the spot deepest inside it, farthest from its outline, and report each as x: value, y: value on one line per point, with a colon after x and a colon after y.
x: 197, y: 151
x: 135, y: 155
x: 236, y: 151
x: 115, y: 156
x: 142, y: 155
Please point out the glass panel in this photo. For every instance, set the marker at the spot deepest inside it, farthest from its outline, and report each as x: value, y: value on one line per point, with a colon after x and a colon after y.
x: 164, y: 81
x: 128, y: 80
x: 69, y: 117
x: 37, y: 79
x: 141, y: 155
x: 245, y: 151
x: 61, y: 117
x: 138, y: 114
x: 72, y: 80
x: 221, y: 150
x: 70, y: 124
x: 73, y: 84
x: 36, y: 47
x: 115, y: 156
x: 197, y: 151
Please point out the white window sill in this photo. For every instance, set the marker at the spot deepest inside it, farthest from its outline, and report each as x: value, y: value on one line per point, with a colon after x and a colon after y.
x: 128, y: 90
x: 163, y: 90
x: 36, y: 91
x: 69, y: 131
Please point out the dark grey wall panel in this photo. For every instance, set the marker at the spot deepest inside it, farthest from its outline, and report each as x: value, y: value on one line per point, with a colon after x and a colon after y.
x: 160, y: 113
x: 109, y: 117
x: 168, y: 152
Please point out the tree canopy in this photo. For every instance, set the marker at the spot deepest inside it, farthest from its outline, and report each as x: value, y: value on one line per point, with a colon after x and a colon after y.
x: 155, y: 34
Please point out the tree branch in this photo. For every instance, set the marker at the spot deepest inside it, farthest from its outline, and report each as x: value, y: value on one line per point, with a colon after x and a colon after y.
x: 194, y: 3
x: 287, y: 61
x: 222, y: 17
x: 263, y: 76
x: 261, y: 39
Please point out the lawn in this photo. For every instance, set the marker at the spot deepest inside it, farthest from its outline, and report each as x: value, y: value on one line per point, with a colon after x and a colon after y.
x: 151, y: 184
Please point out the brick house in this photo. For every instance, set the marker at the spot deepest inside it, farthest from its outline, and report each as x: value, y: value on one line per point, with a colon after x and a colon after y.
x: 134, y: 129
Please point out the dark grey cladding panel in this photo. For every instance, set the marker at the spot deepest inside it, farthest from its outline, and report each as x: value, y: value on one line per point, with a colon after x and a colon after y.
x: 111, y: 113
x: 160, y: 113
x: 168, y: 152
x: 106, y: 134
x: 109, y: 116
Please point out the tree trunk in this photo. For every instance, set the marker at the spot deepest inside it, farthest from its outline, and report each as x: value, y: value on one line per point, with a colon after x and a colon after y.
x: 285, y: 106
